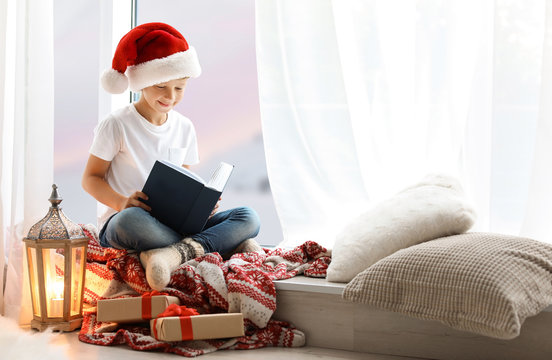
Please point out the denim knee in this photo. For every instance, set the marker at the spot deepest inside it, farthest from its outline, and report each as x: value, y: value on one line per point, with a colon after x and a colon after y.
x: 126, y: 219
x: 250, y: 219
x: 120, y: 227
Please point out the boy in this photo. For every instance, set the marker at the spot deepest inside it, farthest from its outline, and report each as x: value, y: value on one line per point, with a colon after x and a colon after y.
x: 155, y: 59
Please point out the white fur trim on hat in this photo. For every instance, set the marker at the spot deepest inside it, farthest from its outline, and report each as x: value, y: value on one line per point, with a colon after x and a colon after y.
x: 114, y: 82
x: 176, y: 66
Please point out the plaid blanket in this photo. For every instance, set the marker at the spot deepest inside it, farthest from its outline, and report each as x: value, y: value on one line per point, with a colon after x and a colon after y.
x: 244, y: 283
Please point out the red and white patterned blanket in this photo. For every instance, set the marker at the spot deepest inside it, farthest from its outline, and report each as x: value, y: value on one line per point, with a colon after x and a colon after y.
x: 243, y: 284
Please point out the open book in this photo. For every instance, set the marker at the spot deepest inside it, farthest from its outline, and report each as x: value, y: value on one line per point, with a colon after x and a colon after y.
x: 181, y: 199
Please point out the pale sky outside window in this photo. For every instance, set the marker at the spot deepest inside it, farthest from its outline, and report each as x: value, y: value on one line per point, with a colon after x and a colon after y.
x: 222, y: 102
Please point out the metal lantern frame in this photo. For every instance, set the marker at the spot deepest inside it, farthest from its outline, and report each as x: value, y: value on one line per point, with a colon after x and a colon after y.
x: 56, y: 257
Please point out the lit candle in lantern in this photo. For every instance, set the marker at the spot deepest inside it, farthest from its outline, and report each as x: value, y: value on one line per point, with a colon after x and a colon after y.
x: 56, y: 259
x: 56, y: 297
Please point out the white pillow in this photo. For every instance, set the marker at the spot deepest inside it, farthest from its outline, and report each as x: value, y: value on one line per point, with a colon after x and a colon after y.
x: 433, y: 208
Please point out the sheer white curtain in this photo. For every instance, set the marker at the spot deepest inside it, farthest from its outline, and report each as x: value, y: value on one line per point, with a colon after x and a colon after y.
x: 537, y: 217
x: 361, y: 98
x: 26, y: 138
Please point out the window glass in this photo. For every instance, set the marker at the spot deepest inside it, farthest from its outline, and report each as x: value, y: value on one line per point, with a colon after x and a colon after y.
x: 76, y: 74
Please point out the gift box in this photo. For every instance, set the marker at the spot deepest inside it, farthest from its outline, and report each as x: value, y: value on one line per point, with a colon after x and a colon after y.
x: 134, y: 309
x: 196, y: 327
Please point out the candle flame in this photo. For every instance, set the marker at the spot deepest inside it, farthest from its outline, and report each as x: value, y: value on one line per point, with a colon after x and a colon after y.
x: 57, y: 288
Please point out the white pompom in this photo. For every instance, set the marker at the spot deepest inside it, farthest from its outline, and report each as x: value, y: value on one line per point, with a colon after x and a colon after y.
x: 114, y: 82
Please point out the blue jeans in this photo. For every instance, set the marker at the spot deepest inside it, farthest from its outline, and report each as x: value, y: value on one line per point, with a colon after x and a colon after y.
x: 135, y: 229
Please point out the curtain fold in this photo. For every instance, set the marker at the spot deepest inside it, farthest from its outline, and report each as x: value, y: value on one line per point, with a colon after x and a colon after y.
x: 26, y: 138
x: 313, y: 168
x: 361, y: 98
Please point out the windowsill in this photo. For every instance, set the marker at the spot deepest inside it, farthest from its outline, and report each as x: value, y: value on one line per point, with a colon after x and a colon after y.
x: 309, y: 284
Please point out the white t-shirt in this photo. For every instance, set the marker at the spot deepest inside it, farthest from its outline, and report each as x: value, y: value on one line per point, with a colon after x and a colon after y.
x: 133, y: 144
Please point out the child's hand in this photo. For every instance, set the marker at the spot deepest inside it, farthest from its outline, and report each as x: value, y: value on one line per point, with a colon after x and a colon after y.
x: 215, y: 208
x: 134, y: 200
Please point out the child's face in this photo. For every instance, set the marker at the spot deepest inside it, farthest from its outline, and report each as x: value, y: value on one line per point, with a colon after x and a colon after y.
x: 165, y: 96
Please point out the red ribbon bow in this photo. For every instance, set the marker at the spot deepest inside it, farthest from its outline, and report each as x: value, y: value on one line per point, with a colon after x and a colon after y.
x: 154, y: 293
x: 175, y: 310
x: 183, y: 314
x: 146, y: 303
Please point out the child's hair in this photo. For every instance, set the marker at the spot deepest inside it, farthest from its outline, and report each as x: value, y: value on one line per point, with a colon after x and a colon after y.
x: 150, y: 54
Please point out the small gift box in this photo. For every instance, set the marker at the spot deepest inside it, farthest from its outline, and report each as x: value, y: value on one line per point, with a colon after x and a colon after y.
x: 179, y: 323
x: 135, y: 309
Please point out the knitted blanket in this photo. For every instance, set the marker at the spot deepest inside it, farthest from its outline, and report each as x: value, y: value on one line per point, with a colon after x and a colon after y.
x: 244, y: 283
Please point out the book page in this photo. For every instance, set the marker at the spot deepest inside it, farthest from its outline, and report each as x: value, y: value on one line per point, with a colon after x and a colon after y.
x: 220, y: 176
x: 183, y: 170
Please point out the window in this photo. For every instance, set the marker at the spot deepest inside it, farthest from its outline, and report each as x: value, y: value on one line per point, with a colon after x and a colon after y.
x: 222, y: 102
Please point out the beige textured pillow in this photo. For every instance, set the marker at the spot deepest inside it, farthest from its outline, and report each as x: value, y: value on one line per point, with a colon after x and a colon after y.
x: 479, y: 282
x: 433, y: 208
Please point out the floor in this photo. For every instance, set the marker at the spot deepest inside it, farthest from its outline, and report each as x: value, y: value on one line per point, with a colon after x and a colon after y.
x: 76, y: 349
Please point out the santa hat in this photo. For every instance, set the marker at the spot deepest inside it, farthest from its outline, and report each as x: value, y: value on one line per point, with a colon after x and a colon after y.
x: 147, y: 55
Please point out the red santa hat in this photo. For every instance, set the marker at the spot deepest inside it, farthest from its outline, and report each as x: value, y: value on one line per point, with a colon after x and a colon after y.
x: 147, y: 55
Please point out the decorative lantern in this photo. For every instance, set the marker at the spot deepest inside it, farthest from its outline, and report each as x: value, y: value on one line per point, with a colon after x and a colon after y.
x: 56, y: 256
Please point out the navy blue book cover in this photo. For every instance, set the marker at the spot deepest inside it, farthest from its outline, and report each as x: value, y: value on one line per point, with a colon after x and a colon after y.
x: 182, y: 200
